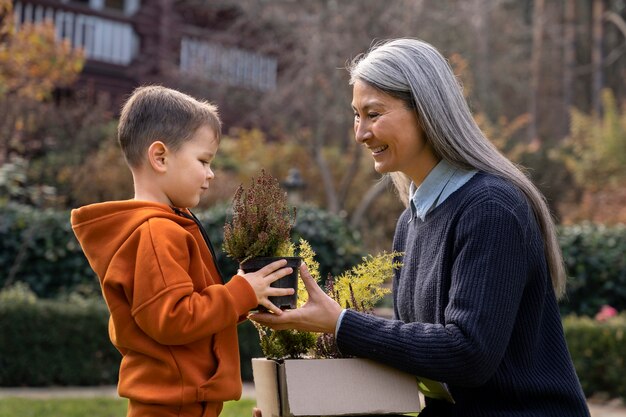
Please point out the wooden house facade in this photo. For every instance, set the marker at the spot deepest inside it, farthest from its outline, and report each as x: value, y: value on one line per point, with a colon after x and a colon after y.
x: 132, y: 42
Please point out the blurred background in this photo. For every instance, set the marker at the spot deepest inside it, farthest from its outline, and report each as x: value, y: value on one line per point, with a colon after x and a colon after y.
x: 545, y: 80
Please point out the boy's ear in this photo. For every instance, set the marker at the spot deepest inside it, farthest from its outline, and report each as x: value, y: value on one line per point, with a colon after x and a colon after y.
x: 157, y: 156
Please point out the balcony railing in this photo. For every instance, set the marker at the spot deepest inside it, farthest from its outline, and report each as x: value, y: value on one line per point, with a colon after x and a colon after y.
x: 230, y: 66
x: 102, y: 39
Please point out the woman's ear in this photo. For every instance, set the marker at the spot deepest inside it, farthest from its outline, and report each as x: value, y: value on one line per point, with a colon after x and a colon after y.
x: 157, y: 156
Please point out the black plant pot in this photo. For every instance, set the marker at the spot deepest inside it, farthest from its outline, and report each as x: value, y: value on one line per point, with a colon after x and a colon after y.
x: 289, y: 281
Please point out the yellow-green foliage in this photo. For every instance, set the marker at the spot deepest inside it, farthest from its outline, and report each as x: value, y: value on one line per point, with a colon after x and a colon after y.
x: 598, y: 353
x: 363, y: 283
x: 281, y: 344
x: 306, y: 252
x: 596, y: 149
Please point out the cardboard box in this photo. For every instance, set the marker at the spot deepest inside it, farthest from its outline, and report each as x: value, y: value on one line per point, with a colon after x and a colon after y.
x: 332, y: 387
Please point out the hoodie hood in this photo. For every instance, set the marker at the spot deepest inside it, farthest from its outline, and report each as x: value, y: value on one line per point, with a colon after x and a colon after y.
x: 101, y: 229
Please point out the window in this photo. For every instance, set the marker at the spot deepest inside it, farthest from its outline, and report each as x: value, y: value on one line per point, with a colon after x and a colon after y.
x: 114, y: 4
x: 128, y: 7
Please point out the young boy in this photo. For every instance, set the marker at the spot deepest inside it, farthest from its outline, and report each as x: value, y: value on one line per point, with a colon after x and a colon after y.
x: 172, y: 317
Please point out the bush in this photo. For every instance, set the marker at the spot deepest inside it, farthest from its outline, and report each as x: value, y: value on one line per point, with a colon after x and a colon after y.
x: 596, y: 265
x: 66, y: 341
x: 45, y: 342
x: 38, y: 247
x: 597, y: 349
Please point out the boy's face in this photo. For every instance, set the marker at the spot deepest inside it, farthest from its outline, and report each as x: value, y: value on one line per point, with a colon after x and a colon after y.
x: 189, y: 169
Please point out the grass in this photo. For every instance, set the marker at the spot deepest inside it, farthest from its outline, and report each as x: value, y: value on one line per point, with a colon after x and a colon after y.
x: 93, y: 407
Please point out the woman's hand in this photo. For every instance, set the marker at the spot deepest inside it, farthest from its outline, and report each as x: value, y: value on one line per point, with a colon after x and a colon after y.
x: 319, y: 314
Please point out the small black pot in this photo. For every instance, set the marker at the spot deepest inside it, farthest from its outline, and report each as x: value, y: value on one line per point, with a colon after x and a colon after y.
x: 289, y: 281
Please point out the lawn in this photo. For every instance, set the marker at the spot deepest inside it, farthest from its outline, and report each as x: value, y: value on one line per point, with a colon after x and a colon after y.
x: 93, y: 407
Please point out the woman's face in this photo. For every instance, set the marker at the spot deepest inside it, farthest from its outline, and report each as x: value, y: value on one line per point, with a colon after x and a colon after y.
x: 391, y: 132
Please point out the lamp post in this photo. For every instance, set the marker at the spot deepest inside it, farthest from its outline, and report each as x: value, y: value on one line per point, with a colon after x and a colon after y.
x: 294, y: 184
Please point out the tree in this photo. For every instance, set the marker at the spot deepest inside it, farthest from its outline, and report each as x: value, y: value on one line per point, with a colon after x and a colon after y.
x: 32, y: 64
x: 597, y: 59
x: 569, y: 57
x: 535, y: 68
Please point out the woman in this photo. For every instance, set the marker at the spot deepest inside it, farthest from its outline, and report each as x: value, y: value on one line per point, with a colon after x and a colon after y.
x: 475, y: 302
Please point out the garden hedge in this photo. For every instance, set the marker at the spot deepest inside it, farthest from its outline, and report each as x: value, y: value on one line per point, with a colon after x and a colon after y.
x: 38, y: 247
x: 595, y: 257
x: 46, y: 342
x: 65, y: 342
x: 599, y: 353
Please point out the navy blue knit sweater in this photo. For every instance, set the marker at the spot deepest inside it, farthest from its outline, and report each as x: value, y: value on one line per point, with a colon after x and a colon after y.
x: 474, y: 307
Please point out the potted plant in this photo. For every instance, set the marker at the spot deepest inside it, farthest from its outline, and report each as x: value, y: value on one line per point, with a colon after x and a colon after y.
x: 322, y: 381
x: 359, y: 288
x: 259, y: 232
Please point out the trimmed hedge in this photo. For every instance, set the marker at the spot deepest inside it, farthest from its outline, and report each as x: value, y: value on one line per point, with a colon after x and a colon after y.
x: 45, y: 342
x: 38, y: 247
x: 595, y: 257
x: 599, y: 353
x: 66, y: 342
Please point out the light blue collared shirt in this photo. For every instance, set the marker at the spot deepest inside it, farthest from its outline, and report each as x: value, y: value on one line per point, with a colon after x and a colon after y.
x: 443, y: 180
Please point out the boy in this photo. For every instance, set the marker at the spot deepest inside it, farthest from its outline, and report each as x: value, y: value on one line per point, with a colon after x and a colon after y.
x: 172, y: 318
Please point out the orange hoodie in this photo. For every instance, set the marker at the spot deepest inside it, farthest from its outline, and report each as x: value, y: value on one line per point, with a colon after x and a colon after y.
x: 172, y: 318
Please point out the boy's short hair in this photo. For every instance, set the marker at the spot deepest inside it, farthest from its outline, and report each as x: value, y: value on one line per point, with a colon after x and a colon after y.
x: 158, y: 113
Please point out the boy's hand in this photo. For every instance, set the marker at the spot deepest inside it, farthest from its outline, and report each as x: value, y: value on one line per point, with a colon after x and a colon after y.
x: 260, y: 282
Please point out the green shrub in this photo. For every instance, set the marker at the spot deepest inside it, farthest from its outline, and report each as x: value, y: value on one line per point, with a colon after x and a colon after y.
x: 38, y: 247
x: 596, y: 265
x: 45, y: 342
x: 66, y: 342
x: 597, y: 349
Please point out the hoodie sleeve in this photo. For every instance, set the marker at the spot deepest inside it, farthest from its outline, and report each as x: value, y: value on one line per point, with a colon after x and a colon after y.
x: 164, y: 303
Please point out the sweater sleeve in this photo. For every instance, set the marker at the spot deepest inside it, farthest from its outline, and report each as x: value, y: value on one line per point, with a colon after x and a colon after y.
x: 164, y: 303
x: 487, y: 279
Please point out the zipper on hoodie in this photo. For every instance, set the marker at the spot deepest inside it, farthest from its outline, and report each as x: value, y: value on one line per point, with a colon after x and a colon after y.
x: 205, y: 236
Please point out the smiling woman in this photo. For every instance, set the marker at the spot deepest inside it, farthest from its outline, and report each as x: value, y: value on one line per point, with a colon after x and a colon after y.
x: 475, y: 301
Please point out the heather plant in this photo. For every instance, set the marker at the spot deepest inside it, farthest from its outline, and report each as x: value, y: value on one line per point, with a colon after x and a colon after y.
x: 261, y: 223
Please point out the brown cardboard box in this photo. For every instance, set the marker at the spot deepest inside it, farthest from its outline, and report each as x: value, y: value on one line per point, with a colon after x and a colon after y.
x: 332, y: 387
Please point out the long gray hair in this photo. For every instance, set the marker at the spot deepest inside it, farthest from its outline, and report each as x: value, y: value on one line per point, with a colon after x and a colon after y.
x: 417, y: 73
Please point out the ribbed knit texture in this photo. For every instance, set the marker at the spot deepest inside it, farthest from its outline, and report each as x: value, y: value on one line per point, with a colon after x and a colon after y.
x: 474, y: 307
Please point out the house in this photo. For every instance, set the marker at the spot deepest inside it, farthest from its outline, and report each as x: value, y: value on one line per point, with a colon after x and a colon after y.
x: 132, y: 42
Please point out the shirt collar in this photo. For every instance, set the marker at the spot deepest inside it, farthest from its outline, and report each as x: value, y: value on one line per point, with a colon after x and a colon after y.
x: 425, y: 197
